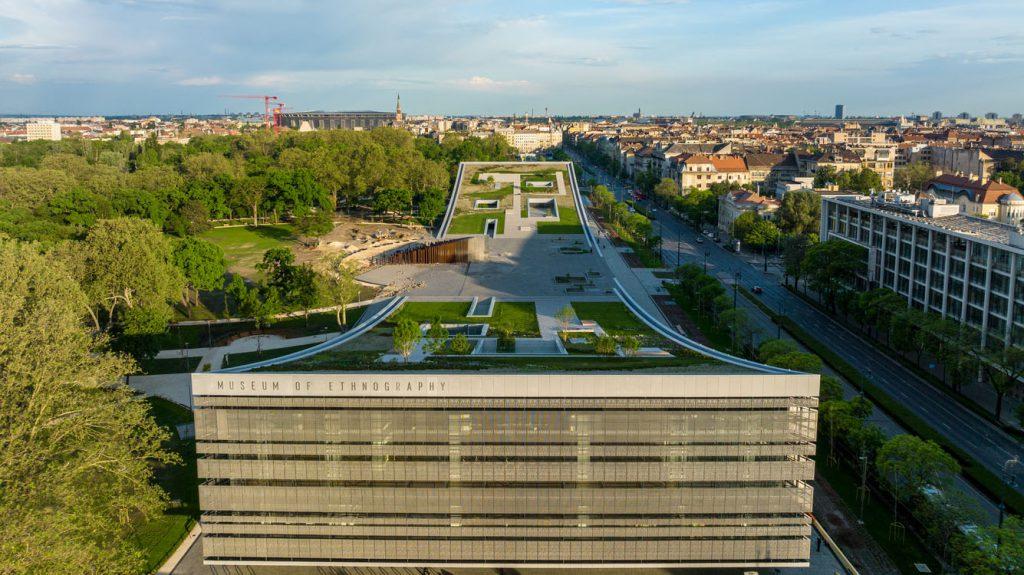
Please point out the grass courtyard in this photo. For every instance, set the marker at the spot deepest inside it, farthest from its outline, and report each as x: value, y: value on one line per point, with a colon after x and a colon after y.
x: 568, y: 223
x: 520, y: 316
x: 614, y: 317
x: 473, y: 223
x: 244, y: 245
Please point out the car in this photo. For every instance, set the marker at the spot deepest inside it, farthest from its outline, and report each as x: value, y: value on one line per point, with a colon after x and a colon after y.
x: 757, y: 290
x: 700, y: 240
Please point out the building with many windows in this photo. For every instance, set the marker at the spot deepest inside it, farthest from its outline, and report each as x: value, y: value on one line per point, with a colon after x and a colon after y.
x: 940, y: 259
x: 308, y: 121
x: 42, y: 131
x: 509, y: 469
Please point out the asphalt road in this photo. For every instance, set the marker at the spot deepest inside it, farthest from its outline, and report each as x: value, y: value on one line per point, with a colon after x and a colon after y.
x: 992, y: 447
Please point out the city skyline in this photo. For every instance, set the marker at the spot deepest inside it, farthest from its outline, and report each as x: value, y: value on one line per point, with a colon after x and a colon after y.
x: 729, y: 58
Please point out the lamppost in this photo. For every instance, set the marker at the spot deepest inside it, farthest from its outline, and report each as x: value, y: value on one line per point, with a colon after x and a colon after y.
x: 778, y: 321
x: 707, y: 253
x: 735, y: 315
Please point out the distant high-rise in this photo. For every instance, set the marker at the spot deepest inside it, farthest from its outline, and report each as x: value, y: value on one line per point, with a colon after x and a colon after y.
x: 936, y: 115
x: 964, y: 116
x: 839, y: 111
x: 991, y: 116
x: 42, y: 131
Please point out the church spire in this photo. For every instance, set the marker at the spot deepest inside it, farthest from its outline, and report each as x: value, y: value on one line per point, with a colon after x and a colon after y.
x: 398, y: 109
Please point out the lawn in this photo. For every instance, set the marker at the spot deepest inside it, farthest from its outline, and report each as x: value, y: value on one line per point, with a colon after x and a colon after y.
x: 614, y: 317
x: 172, y: 365
x: 474, y: 223
x: 160, y: 536
x: 244, y: 245
x: 236, y: 359
x: 499, y: 194
x: 568, y: 223
x: 200, y: 335
x: 521, y: 316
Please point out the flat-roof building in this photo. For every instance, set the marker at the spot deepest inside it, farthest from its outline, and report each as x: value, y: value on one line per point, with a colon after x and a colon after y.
x: 506, y: 469
x: 939, y: 258
x: 306, y: 121
x: 42, y: 131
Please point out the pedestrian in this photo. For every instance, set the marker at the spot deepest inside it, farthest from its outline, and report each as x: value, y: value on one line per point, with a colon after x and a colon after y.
x: 818, y: 549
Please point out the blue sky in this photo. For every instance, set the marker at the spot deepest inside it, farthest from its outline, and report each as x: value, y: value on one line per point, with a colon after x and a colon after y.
x: 501, y: 57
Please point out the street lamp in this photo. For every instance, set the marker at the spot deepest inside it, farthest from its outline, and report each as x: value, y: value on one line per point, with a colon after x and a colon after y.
x: 735, y: 315
x: 707, y: 253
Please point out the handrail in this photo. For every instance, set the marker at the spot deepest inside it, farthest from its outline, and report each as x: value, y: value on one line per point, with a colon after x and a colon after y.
x: 360, y: 328
x: 683, y: 341
x: 442, y: 231
x: 582, y: 210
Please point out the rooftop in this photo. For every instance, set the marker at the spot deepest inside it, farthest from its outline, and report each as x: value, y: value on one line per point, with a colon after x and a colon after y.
x: 959, y: 224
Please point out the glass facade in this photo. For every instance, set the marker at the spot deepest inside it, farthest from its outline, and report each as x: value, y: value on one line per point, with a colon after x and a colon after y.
x: 504, y: 481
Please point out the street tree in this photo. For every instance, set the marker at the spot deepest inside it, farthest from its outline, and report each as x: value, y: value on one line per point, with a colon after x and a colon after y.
x: 797, y: 361
x: 993, y: 549
x: 794, y: 250
x: 1003, y: 369
x: 800, y: 212
x: 909, y: 463
x: 405, y: 336
x: 771, y: 348
x: 666, y: 190
x: 78, y: 448
x: 832, y: 266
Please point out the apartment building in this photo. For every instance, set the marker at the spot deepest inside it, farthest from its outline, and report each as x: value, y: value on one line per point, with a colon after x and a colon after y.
x: 42, y: 131
x: 699, y: 171
x: 737, y: 202
x: 495, y: 470
x: 993, y: 199
x: 968, y: 268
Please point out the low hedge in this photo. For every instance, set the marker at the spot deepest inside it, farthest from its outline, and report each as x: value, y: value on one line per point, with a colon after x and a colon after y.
x: 984, y: 479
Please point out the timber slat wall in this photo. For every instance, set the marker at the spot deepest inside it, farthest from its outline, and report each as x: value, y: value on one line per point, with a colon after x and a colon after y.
x: 443, y: 252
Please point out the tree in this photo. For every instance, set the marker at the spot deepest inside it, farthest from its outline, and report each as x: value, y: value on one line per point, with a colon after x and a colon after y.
x: 605, y: 344
x: 303, y: 290
x: 431, y: 203
x: 338, y: 285
x: 201, y: 263
x: 763, y: 234
x: 909, y: 463
x: 393, y: 201
x: 833, y: 265
x: 771, y: 348
x: 78, y: 447
x: 405, y: 337
x: 314, y: 224
x: 993, y: 550
x: 437, y: 336
x: 794, y: 250
x: 249, y: 193
x: 140, y: 332
x: 565, y: 316
x: 797, y: 361
x: 666, y: 190
x: 630, y: 345
x: 124, y: 263
x: 460, y: 344
x: 914, y: 176
x: 1003, y: 368
x: 830, y: 389
x: 278, y: 267
x: 824, y: 176
x: 743, y: 224
x: 800, y: 212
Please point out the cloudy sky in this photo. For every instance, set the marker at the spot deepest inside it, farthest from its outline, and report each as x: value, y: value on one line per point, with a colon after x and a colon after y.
x: 484, y: 57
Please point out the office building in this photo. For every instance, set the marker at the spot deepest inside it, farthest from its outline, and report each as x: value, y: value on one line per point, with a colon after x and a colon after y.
x: 839, y: 111
x: 942, y: 260
x: 307, y: 121
x: 42, y: 131
x: 512, y: 469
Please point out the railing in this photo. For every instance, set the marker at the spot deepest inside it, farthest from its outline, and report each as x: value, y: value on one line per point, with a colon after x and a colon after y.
x: 442, y: 252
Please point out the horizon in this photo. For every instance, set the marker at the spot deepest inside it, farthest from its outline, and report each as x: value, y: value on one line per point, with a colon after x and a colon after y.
x: 666, y: 57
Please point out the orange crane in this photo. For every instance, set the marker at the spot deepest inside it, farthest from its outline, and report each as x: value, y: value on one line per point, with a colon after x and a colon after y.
x: 273, y: 107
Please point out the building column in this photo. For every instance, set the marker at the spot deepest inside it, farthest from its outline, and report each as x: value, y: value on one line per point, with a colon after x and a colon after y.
x: 1011, y: 300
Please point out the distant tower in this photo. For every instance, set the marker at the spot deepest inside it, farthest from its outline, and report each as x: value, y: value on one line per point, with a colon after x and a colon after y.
x: 839, y: 111
x: 399, y: 116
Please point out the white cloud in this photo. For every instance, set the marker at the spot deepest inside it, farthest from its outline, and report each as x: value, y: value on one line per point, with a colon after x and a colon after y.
x: 202, y: 81
x: 485, y: 84
x: 22, y: 78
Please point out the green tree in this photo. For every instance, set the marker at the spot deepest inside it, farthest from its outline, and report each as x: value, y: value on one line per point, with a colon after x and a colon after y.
x: 914, y: 176
x: 771, y: 348
x: 1003, y: 370
x: 605, y: 344
x: 794, y: 250
x: 832, y: 266
x: 909, y: 463
x: 124, y: 263
x: 78, y: 448
x: 431, y: 204
x: 393, y: 201
x: 460, y: 345
x: 744, y: 224
x: 800, y: 212
x: 565, y: 316
x: 314, y: 224
x: 824, y: 176
x: 248, y: 194
x: 630, y: 345
x: 202, y: 264
x: 437, y: 336
x: 993, y: 550
x: 140, y: 332
x: 405, y: 336
x: 338, y: 285
x: 666, y: 190
x: 797, y: 361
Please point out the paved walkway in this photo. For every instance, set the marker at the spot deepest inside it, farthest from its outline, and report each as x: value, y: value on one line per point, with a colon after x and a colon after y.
x: 547, y: 316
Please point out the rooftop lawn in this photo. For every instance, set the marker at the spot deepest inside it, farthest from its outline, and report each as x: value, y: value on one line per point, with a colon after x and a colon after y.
x: 244, y: 245
x: 520, y: 316
x: 614, y: 317
x: 498, y: 194
x: 568, y: 223
x: 346, y: 360
x: 474, y: 223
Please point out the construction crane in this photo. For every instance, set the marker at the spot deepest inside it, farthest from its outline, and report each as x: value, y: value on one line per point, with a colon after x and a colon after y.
x: 273, y: 107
